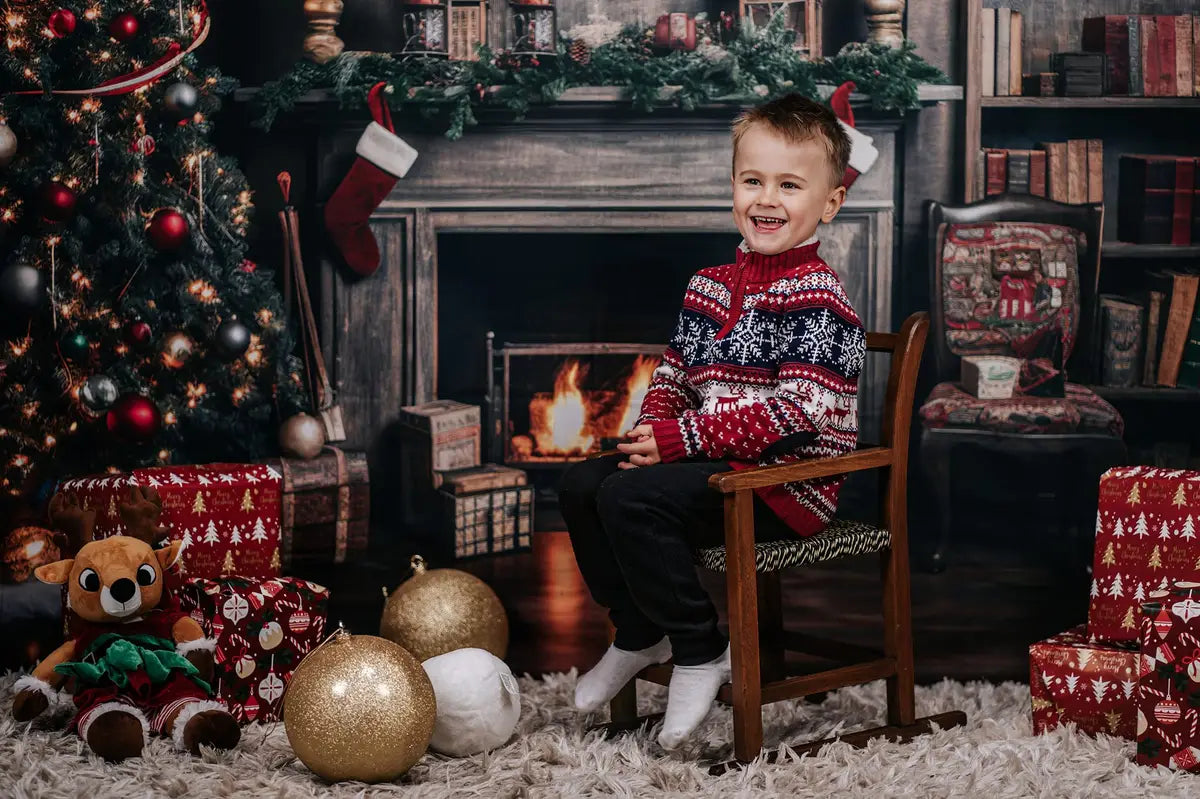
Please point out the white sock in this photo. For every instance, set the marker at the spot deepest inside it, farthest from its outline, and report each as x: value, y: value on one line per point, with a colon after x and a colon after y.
x: 616, y: 668
x: 692, y: 691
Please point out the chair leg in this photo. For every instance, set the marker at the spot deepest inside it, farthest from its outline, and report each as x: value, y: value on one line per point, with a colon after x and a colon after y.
x: 742, y: 587
x: 623, y: 707
x: 770, y: 627
x: 897, y: 631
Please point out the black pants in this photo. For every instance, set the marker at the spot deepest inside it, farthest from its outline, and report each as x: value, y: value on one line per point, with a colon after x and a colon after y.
x: 634, y: 532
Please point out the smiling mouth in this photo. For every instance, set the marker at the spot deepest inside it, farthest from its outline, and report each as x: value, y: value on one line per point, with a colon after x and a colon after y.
x: 767, y: 224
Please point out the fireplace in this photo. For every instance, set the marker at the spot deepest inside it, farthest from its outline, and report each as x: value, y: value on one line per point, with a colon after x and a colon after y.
x: 580, y: 228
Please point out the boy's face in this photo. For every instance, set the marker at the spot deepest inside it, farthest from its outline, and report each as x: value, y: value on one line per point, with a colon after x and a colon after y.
x: 781, y: 190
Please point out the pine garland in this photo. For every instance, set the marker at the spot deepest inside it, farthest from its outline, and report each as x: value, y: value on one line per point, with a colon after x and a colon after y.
x: 756, y: 66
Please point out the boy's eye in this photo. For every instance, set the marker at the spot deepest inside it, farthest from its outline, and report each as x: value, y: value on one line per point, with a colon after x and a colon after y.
x: 752, y: 181
x: 789, y: 185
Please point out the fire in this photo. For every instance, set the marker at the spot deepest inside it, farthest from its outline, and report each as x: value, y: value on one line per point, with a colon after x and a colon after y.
x: 572, y: 420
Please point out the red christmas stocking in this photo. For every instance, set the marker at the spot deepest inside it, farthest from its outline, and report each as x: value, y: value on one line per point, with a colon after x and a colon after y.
x: 862, y: 148
x: 382, y: 158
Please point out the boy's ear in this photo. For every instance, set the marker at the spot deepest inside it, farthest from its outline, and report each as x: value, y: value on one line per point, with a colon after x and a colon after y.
x: 833, y: 204
x: 54, y: 573
x: 168, y: 555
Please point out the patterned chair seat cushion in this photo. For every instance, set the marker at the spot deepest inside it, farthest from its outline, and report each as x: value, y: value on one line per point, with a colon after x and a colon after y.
x: 838, y: 540
x: 1080, y: 411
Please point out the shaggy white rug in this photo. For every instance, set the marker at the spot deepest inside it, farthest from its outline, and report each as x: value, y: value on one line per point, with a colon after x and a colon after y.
x: 994, y: 756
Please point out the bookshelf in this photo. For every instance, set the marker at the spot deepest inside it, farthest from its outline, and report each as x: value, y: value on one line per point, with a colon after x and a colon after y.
x: 1125, y: 125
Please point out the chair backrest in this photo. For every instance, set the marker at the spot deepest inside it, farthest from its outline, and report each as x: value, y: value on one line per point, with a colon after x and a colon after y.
x: 906, y: 348
x: 1080, y: 287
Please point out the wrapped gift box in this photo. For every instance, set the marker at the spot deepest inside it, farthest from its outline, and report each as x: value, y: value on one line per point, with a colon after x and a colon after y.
x: 1168, y: 694
x: 226, y: 514
x: 1146, y: 539
x: 1072, y: 679
x: 263, y: 629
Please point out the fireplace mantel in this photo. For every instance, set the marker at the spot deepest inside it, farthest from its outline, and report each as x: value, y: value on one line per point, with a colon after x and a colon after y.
x: 588, y: 165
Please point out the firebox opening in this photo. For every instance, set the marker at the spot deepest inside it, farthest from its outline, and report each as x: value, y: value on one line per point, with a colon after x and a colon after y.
x: 559, y: 287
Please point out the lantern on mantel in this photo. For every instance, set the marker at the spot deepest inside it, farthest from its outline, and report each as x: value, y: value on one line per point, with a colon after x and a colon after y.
x: 801, y: 17
x: 532, y: 28
x: 425, y: 26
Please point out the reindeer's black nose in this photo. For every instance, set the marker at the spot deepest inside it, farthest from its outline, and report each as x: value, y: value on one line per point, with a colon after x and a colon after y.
x: 122, y: 590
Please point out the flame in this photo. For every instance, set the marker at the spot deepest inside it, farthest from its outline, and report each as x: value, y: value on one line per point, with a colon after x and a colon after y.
x: 564, y: 429
x: 635, y: 391
x: 571, y: 421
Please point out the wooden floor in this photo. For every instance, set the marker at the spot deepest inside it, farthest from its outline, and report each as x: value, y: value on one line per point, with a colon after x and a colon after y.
x: 973, y: 622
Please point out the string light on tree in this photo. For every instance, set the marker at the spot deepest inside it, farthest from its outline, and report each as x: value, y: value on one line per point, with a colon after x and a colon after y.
x: 176, y: 350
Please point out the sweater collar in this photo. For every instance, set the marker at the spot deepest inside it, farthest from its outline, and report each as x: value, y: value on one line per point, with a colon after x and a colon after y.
x: 761, y: 267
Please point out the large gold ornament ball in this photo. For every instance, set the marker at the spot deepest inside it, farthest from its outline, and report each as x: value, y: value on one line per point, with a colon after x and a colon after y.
x: 359, y: 708
x: 440, y: 610
x: 302, y: 436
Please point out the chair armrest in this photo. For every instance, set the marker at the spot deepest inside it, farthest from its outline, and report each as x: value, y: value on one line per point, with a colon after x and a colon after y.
x: 763, y: 476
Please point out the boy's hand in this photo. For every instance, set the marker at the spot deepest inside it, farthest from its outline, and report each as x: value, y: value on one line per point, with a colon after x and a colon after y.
x: 644, y: 449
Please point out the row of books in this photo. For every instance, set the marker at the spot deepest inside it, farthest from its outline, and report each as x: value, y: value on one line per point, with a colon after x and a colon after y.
x: 1147, y: 55
x: 1158, y: 202
x: 1069, y: 172
x: 1153, y: 338
x: 1001, y: 52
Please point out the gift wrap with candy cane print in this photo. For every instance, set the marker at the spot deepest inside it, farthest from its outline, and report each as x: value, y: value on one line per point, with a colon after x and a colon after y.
x: 226, y: 514
x: 1074, y: 680
x: 1146, y: 539
x: 1168, y: 706
x: 263, y: 629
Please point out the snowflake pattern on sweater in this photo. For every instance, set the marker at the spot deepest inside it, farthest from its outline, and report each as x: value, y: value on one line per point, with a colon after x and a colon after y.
x: 775, y: 382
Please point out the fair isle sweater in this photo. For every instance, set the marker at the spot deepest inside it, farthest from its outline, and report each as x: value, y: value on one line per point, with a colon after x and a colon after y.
x: 775, y: 380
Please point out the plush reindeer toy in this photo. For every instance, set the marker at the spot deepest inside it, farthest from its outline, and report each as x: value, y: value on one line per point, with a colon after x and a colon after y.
x: 135, y: 663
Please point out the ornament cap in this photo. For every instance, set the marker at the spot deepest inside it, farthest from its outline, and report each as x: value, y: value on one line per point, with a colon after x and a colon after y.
x: 418, y: 564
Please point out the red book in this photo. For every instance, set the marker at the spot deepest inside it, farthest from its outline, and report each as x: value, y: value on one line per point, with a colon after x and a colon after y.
x: 1166, y: 56
x: 997, y: 172
x: 1185, y: 183
x: 1037, y: 173
x: 1110, y: 35
x: 1150, y: 60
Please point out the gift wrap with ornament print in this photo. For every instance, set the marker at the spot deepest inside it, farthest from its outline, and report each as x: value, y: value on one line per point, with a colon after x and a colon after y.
x: 1168, y: 693
x: 263, y: 629
x: 226, y: 514
x: 1092, y: 685
x: 1146, y: 540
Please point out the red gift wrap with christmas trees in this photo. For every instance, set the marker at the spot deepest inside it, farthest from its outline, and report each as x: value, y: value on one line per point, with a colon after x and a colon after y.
x: 1074, y: 680
x: 226, y: 514
x: 1168, y: 696
x: 1146, y: 539
x: 263, y: 629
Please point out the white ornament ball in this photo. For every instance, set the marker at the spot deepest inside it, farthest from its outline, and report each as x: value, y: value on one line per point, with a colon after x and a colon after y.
x: 478, y: 701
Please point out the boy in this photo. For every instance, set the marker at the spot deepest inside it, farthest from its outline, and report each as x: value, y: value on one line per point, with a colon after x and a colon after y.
x: 762, y: 369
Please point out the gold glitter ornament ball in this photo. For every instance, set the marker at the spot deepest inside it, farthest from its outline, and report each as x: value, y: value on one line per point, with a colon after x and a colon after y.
x: 359, y: 708
x: 441, y: 610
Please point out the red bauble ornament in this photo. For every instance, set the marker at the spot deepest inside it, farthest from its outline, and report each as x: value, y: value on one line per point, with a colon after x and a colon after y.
x: 58, y: 202
x: 138, y: 334
x: 168, y: 230
x: 62, y: 23
x: 123, y: 27
x: 133, y: 418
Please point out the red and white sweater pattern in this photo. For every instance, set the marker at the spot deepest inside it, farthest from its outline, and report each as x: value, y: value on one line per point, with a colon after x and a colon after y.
x: 774, y: 381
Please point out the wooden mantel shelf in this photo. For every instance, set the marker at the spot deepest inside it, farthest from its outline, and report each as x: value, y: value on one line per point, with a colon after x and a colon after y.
x: 596, y: 97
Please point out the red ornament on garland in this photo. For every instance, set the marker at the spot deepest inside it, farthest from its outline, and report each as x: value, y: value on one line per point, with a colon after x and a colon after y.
x: 58, y: 202
x: 138, y: 334
x: 123, y: 27
x: 133, y: 418
x: 168, y: 230
x: 62, y: 23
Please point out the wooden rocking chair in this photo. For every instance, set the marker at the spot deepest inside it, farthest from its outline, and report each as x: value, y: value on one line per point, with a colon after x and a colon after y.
x: 758, y: 641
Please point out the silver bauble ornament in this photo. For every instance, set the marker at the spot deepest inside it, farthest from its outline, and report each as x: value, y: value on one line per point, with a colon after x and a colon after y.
x: 181, y: 100
x: 232, y: 339
x: 8, y: 144
x: 302, y: 436
x: 98, y: 393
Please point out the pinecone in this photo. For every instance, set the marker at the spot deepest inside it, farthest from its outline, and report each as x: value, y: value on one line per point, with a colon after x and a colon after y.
x: 580, y: 53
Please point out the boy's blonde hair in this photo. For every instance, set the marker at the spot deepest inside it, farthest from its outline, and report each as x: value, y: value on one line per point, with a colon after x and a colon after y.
x: 799, y: 119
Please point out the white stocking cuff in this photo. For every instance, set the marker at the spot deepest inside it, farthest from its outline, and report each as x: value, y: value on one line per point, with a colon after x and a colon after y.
x: 386, y: 150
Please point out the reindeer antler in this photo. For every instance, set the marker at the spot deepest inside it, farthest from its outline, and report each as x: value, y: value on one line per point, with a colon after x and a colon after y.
x: 140, y: 514
x: 74, y: 523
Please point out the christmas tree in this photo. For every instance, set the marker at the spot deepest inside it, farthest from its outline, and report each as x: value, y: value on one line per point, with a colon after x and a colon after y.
x: 1108, y: 559
x: 260, y: 530
x: 247, y: 502
x: 210, y: 535
x: 135, y: 331
x: 1155, y: 561
x: 236, y: 536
